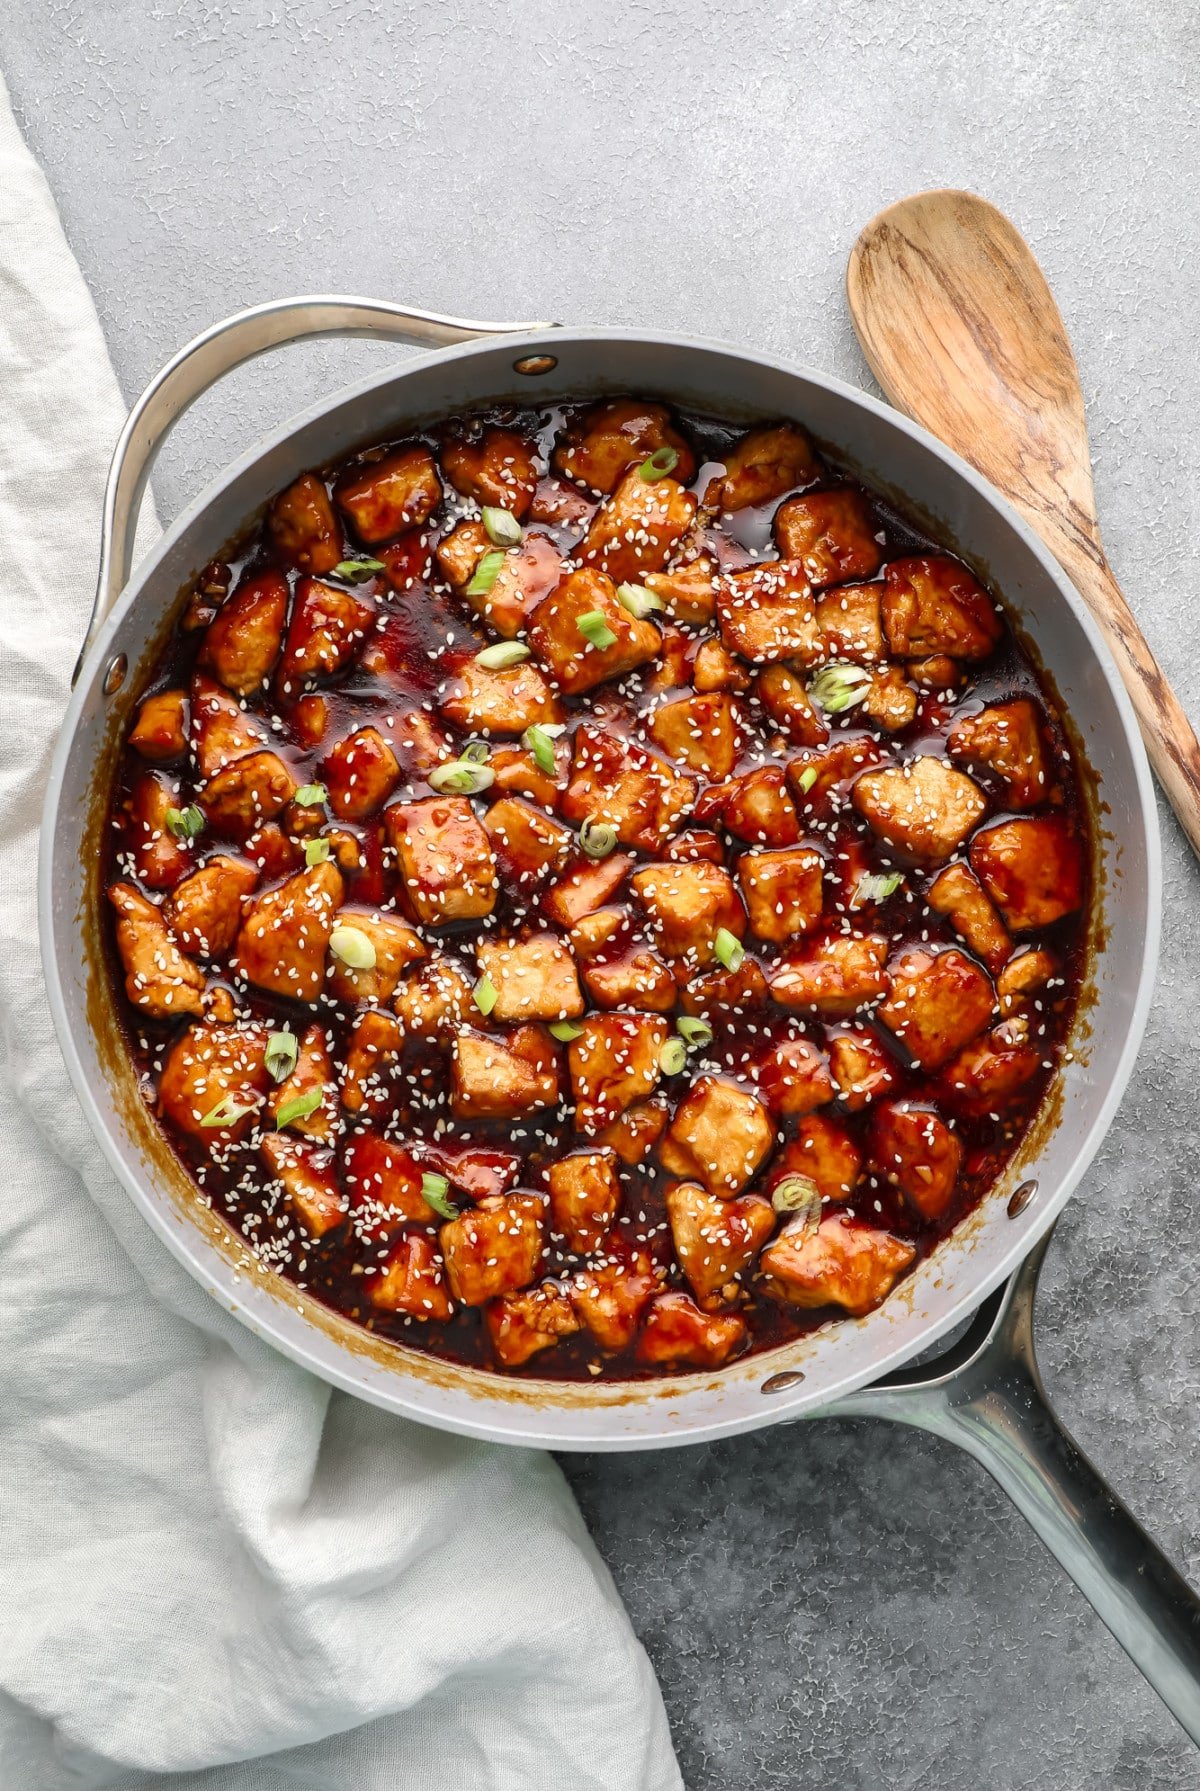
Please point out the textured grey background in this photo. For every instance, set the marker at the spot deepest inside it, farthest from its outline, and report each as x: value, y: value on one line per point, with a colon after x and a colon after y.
x: 839, y: 1606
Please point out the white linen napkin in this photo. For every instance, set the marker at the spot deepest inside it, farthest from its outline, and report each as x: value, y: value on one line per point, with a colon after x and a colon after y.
x: 212, y: 1566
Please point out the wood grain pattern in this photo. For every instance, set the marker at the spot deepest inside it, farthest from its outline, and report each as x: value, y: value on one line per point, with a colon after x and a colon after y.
x: 962, y: 332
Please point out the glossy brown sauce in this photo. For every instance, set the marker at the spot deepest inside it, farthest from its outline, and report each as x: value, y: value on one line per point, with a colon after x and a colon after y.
x: 424, y: 625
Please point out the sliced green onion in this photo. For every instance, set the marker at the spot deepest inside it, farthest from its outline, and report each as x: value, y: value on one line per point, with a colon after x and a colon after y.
x: 502, y: 526
x: 353, y: 947
x: 435, y: 1192
x: 228, y: 1111
x: 283, y: 1048
x: 485, y: 574
x: 461, y: 777
x: 664, y: 460
x: 836, y: 688
x: 595, y: 629
x: 502, y: 655
x: 316, y: 851
x: 539, y: 740
x: 808, y: 778
x: 639, y: 600
x: 356, y: 570
x: 694, y: 1032
x: 485, y: 995
x: 673, y: 1057
x: 565, y: 1031
x: 475, y: 752
x: 310, y: 795
x: 598, y: 839
x: 875, y: 886
x: 800, y: 1195
x: 185, y: 823
x: 729, y: 948
x: 299, y: 1107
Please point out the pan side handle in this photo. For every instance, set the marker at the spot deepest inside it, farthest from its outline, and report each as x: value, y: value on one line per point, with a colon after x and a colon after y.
x: 216, y: 351
x: 986, y: 1396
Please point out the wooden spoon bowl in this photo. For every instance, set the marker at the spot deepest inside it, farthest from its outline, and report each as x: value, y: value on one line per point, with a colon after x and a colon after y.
x: 961, y: 330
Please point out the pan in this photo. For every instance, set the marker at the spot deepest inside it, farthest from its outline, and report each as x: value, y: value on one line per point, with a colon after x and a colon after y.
x: 984, y: 1393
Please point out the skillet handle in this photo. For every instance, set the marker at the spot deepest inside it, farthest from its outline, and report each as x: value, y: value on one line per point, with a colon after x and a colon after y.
x: 985, y: 1394
x: 216, y: 351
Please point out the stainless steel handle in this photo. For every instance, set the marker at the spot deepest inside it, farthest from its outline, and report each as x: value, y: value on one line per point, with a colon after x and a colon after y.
x: 205, y: 359
x: 986, y: 1395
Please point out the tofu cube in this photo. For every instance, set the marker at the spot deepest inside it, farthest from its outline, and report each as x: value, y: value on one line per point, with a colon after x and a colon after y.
x: 598, y: 445
x: 412, y: 1281
x: 689, y: 593
x: 396, y: 946
x: 328, y: 628
x: 576, y: 663
x: 764, y: 465
x: 851, y: 623
x: 586, y: 887
x: 891, y: 701
x: 495, y: 1248
x: 527, y: 576
x: 925, y: 807
x: 783, y: 891
x: 616, y: 782
x: 481, y: 701
x: 503, y: 1078
x: 383, y: 1181
x: 246, y: 793
x: 677, y: 1331
x: 635, y: 531
x: 783, y: 693
x: 585, y: 1198
x: 614, y: 1064
x: 534, y: 978
x: 360, y: 774
x: 434, y: 998
x: 631, y: 975
x: 719, y: 1136
x: 460, y: 550
x: 1006, y: 740
x: 242, y: 643
x: 204, y: 911
x: 303, y: 528
x: 159, y: 980
x: 1032, y: 868
x: 913, y: 1148
x: 688, y: 904
x: 494, y: 466
x: 309, y: 1181
x: 699, y: 732
x: 844, y: 1262
x: 767, y: 613
x: 382, y: 498
x: 834, y: 979
x: 445, y: 856
x: 522, y: 1324
x: 160, y: 732
x: 755, y: 807
x: 528, y: 843
x: 716, y: 1240
x: 283, y: 942
x: 933, y: 605
x: 374, y: 1045
x: 956, y: 893
x: 863, y: 1070
x: 833, y: 535
x: 936, y: 1001
x: 794, y: 1077
x: 714, y: 667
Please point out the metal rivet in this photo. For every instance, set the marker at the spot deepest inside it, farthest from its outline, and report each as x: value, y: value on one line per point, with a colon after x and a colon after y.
x: 114, y: 677
x: 536, y: 363
x: 1021, y: 1198
x: 780, y: 1383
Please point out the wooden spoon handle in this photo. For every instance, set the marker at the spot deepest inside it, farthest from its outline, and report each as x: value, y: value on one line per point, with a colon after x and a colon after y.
x: 1170, y: 739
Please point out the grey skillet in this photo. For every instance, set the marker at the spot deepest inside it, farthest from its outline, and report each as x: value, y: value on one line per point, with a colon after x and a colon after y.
x: 985, y: 1394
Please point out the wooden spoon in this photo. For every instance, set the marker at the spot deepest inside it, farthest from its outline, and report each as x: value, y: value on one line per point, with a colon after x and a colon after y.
x: 960, y: 329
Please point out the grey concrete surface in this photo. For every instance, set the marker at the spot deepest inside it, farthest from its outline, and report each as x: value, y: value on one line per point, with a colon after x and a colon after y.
x: 839, y: 1605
